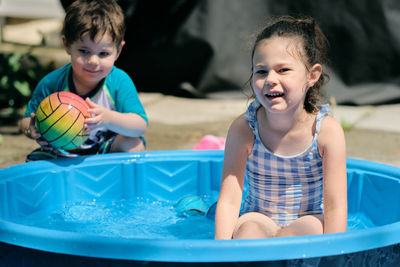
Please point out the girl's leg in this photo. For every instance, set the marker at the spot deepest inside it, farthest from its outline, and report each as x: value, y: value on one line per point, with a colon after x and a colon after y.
x: 306, y: 225
x: 127, y: 144
x: 255, y: 225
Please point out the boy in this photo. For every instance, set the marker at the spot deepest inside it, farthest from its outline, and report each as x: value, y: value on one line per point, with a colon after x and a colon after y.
x: 93, y: 36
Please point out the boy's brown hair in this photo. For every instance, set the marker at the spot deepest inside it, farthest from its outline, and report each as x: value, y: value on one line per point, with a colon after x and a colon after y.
x: 95, y: 18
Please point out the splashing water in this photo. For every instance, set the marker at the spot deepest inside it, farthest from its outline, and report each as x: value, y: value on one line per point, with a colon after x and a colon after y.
x: 140, y: 218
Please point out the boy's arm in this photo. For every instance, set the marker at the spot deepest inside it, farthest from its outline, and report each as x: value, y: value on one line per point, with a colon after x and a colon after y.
x: 127, y: 124
x: 24, y: 124
x: 333, y: 151
x: 51, y: 83
x: 27, y: 127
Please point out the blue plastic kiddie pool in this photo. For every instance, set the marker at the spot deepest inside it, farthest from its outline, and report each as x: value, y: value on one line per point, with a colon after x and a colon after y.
x: 52, y: 213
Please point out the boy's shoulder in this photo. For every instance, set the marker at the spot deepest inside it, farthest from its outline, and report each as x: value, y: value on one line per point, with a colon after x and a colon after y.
x: 55, y: 79
x: 57, y: 76
x: 59, y: 72
x: 117, y: 77
x: 119, y: 73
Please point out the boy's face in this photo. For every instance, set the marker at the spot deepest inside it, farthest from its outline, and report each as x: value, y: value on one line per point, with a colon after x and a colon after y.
x: 92, y: 60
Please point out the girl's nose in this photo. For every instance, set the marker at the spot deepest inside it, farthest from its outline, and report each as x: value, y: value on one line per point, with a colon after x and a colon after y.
x: 271, y: 78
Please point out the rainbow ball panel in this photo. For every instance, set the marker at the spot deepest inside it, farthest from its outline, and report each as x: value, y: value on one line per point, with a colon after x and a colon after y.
x: 60, y: 120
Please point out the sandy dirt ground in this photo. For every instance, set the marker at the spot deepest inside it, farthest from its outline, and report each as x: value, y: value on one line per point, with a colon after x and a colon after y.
x: 380, y: 146
x: 371, y: 145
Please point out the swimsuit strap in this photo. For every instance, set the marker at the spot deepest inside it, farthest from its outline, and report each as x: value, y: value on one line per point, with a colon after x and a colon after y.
x: 255, y: 104
x: 251, y: 115
x: 324, y: 110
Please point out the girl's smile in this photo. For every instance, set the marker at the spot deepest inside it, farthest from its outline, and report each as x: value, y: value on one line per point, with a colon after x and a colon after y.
x: 279, y: 75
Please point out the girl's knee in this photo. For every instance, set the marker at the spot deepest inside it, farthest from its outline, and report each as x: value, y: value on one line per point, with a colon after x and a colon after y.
x: 306, y: 225
x: 285, y: 232
x: 251, y: 230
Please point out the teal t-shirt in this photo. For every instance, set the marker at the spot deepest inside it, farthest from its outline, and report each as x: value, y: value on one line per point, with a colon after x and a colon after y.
x: 116, y: 92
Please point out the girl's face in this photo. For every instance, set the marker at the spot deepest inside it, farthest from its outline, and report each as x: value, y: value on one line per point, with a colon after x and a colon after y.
x: 92, y: 60
x: 280, y: 78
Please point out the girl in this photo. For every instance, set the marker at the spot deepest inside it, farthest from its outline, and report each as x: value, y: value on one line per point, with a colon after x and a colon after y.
x: 292, y: 152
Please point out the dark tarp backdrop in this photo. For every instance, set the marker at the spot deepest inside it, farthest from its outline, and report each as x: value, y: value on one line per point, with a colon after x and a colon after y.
x: 194, y: 47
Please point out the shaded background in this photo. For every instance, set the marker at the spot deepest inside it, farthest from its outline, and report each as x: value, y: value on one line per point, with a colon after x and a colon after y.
x: 202, y: 48
x: 196, y: 47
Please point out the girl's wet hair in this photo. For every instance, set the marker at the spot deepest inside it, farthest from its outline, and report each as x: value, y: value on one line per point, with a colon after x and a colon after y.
x: 95, y: 18
x: 314, y: 43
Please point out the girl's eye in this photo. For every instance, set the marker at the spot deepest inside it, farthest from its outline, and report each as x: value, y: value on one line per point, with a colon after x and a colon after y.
x: 283, y: 70
x: 261, y: 72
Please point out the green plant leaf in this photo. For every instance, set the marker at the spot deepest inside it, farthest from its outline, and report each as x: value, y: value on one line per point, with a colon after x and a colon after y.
x: 13, y: 61
x: 347, y: 126
x: 23, y: 88
x: 4, y: 82
x: 19, y: 75
x: 31, y: 74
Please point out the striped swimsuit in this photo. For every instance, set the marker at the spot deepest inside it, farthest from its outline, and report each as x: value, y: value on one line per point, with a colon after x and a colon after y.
x: 283, y: 188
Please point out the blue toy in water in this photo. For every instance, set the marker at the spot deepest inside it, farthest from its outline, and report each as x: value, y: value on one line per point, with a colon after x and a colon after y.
x: 211, y: 211
x: 191, y: 205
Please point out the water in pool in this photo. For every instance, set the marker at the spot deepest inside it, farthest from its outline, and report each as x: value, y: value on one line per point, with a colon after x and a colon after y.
x: 139, y: 218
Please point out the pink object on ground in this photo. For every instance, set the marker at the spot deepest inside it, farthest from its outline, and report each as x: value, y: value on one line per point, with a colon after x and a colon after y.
x: 210, y: 142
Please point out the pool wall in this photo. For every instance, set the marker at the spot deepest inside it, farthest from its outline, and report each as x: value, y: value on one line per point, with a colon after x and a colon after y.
x: 40, y: 187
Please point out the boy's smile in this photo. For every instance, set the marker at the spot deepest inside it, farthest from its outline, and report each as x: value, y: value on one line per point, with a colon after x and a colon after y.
x: 92, y: 60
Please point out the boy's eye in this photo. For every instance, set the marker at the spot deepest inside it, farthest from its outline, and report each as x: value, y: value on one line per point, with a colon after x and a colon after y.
x: 84, y: 51
x: 104, y: 54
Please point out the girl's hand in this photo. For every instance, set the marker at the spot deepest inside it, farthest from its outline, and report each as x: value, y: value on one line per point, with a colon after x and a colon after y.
x: 101, y: 116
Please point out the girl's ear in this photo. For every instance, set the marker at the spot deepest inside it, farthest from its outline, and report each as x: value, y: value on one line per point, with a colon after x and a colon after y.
x: 315, y: 73
x: 66, y: 46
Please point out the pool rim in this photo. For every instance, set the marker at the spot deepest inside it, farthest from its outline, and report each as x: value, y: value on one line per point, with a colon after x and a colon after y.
x: 192, y: 250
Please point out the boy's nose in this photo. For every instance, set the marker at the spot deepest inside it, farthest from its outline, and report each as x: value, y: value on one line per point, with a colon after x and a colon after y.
x: 93, y: 59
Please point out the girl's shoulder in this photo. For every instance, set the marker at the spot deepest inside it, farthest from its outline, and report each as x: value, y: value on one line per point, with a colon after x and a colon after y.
x: 331, y: 135
x: 241, y: 125
x: 240, y: 133
x: 329, y: 125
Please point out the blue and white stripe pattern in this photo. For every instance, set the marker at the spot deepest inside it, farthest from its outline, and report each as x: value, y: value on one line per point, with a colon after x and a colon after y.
x: 283, y: 187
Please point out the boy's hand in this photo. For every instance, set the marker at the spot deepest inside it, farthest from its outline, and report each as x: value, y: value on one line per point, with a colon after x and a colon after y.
x: 101, y: 116
x: 34, y: 133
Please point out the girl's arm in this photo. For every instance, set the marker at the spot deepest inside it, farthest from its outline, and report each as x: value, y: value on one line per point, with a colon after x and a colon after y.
x: 127, y: 124
x: 333, y: 151
x: 239, y: 141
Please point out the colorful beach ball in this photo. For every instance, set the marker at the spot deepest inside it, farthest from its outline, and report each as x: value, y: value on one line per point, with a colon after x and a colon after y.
x: 60, y: 120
